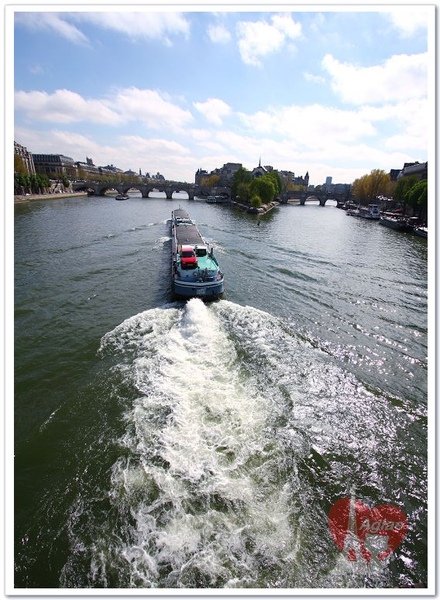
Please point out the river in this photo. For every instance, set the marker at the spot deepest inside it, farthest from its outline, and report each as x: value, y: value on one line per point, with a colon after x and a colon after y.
x: 165, y: 444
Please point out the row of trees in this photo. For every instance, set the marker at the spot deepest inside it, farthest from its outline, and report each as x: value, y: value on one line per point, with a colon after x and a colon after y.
x: 255, y: 191
x: 413, y: 192
x: 410, y: 192
x: 31, y: 184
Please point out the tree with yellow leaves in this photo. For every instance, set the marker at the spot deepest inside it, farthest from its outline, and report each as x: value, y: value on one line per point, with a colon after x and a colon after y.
x: 366, y: 188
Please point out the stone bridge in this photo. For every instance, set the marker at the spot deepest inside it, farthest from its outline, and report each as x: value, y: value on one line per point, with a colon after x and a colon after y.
x: 99, y: 188
x: 322, y: 196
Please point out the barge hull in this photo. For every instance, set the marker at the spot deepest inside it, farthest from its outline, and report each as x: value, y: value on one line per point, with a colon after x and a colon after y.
x: 186, y: 233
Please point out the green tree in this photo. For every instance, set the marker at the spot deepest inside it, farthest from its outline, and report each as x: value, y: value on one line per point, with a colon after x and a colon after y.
x: 274, y: 176
x: 243, y: 192
x: 402, y: 188
x: 417, y: 198
x: 256, y: 201
x: 264, y: 188
x: 242, y: 176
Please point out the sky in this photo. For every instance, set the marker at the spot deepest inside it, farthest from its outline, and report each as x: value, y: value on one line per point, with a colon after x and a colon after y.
x: 332, y: 91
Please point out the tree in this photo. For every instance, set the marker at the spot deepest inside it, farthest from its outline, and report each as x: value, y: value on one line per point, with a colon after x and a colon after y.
x: 368, y: 187
x: 274, y: 176
x: 264, y: 188
x: 402, y: 188
x: 19, y: 166
x: 243, y: 192
x: 417, y: 198
x: 256, y: 201
x: 242, y: 176
x: 210, y: 181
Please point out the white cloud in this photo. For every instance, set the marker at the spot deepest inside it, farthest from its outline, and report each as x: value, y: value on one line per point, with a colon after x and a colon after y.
x: 36, y: 69
x: 75, y: 145
x: 409, y: 20
x: 257, y: 39
x: 148, y: 154
x: 310, y: 125
x: 314, y: 78
x: 150, y: 107
x: 399, y: 77
x: 135, y: 25
x: 218, y: 34
x: 214, y: 110
x: 132, y: 104
x: 139, y: 25
x: 51, y: 22
x: 64, y: 106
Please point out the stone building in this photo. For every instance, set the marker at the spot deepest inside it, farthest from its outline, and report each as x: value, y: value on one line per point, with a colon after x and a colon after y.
x: 289, y: 178
x: 54, y: 165
x: 25, y: 158
x: 225, y: 174
x: 414, y: 168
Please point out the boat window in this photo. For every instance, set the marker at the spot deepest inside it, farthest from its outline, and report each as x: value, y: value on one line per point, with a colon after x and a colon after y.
x: 201, y: 251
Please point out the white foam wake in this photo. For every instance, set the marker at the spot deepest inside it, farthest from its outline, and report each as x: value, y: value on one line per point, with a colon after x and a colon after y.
x: 222, y: 465
x: 201, y: 482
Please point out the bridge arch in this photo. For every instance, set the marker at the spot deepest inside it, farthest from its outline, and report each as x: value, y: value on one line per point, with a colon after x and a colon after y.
x: 124, y: 189
x: 310, y: 198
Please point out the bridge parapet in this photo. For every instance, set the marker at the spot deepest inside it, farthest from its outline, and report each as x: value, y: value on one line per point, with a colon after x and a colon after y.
x: 322, y: 196
x: 99, y: 188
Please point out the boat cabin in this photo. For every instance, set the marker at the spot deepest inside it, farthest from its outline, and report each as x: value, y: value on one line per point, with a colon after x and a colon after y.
x: 201, y: 250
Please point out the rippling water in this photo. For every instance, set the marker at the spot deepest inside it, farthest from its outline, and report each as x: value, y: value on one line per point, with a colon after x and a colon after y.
x: 164, y: 444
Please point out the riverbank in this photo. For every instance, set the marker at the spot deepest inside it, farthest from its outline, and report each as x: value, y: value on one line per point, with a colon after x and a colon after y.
x: 34, y: 197
x: 262, y: 210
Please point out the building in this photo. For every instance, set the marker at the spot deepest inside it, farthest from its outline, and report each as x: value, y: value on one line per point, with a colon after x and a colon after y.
x: 109, y: 170
x: 228, y: 171
x: 54, y: 165
x: 87, y: 169
x: 289, y: 178
x: 225, y: 174
x: 200, y: 175
x: 23, y: 159
x: 341, y: 189
x: 414, y: 168
x: 394, y: 174
x: 260, y: 171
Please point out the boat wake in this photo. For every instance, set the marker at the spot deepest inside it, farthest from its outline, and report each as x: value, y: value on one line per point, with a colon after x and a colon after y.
x: 238, y: 437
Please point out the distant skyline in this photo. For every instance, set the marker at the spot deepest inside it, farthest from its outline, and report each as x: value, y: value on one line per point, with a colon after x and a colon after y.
x: 335, y: 92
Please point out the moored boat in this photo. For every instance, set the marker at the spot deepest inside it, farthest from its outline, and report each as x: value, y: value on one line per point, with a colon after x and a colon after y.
x: 195, y: 271
x: 396, y: 222
x: 216, y: 199
x: 372, y: 212
x: 421, y: 231
x: 121, y: 197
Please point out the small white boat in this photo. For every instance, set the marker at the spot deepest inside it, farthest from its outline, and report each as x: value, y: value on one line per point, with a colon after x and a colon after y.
x: 121, y: 197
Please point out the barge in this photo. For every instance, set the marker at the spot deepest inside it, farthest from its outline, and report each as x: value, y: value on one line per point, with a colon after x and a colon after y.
x: 372, y: 212
x: 195, y: 271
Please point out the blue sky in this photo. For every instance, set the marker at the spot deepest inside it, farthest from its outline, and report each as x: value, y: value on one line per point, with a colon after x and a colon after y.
x: 335, y: 92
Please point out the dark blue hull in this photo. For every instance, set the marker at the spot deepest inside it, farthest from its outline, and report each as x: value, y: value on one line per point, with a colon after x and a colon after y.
x: 207, y: 291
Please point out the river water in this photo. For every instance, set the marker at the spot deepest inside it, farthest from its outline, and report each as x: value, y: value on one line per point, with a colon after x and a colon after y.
x: 179, y: 445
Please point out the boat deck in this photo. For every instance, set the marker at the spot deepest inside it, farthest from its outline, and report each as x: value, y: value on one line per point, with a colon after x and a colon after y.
x: 186, y: 233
